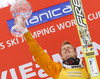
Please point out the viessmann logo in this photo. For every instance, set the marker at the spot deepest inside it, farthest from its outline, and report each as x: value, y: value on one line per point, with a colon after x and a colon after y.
x: 46, y: 15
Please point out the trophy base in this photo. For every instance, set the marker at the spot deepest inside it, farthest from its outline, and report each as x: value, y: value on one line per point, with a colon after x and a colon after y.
x: 17, y: 31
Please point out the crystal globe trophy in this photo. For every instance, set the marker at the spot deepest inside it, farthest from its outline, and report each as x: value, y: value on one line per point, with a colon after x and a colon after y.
x: 20, y: 10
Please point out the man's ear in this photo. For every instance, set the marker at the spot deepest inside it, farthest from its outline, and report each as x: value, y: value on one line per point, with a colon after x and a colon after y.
x: 60, y: 53
x: 75, y: 54
x: 61, y: 57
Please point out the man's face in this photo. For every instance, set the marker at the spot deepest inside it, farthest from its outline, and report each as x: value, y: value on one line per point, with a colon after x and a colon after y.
x: 67, y: 51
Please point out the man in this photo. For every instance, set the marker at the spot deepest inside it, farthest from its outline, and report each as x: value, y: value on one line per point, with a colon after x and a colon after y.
x: 71, y: 68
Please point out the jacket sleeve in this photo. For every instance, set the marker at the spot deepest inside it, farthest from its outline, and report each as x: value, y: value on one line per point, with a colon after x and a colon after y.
x: 43, y: 60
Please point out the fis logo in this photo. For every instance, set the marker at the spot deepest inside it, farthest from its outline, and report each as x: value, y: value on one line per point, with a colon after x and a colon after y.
x: 46, y: 15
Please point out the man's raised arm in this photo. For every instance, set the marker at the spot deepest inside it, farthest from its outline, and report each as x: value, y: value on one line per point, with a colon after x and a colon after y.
x: 43, y: 60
